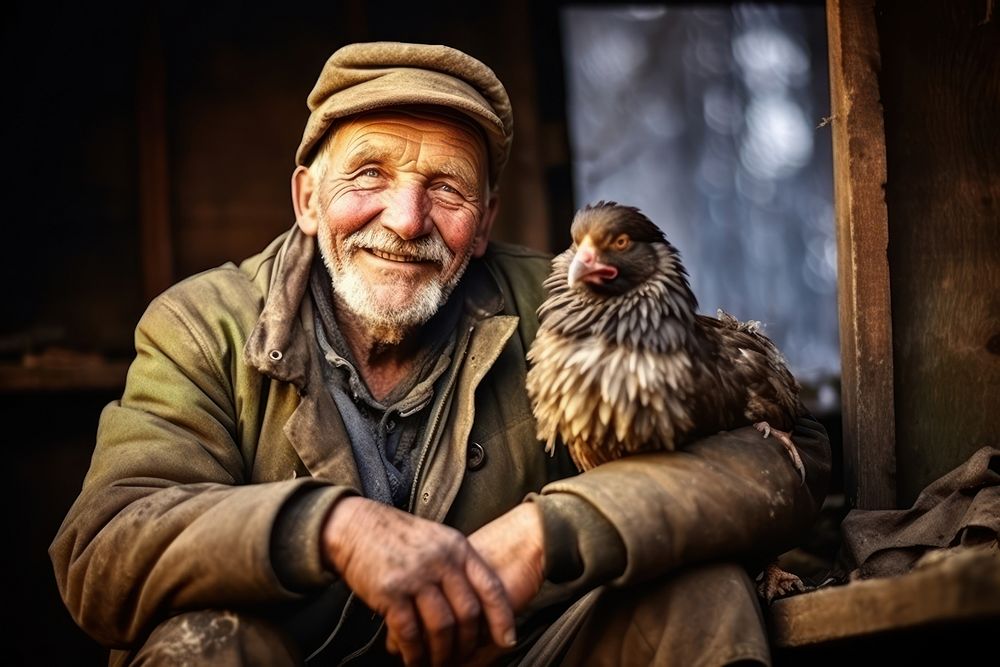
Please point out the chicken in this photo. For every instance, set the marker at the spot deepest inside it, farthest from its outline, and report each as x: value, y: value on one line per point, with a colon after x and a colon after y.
x: 622, y: 362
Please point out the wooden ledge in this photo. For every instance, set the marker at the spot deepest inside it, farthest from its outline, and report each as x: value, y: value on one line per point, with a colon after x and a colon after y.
x: 959, y: 587
x: 104, y: 376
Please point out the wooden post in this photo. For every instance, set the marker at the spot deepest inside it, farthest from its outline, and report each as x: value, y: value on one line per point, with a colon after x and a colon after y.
x: 155, y: 238
x: 862, y: 243
x: 524, y: 216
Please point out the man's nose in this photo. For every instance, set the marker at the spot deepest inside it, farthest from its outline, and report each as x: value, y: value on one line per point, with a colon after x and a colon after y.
x: 407, y: 211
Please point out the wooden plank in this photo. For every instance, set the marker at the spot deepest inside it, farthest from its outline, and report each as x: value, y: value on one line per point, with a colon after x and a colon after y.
x: 940, y: 86
x: 863, y: 271
x: 960, y: 587
x: 155, y: 238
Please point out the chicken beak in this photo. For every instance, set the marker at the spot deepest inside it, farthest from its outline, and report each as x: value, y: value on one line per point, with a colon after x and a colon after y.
x: 586, y: 269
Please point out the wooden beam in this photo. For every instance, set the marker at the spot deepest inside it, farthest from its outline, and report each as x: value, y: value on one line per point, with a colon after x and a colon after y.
x: 862, y: 245
x: 958, y: 587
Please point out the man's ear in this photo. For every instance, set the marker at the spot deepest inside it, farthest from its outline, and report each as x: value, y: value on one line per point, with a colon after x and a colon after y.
x: 483, y: 233
x: 305, y: 201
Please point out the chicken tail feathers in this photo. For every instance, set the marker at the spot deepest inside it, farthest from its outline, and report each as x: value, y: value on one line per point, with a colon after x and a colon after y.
x: 550, y: 446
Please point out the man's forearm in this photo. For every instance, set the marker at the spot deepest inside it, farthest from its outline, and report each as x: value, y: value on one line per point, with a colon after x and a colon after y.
x: 729, y: 495
x: 129, y: 554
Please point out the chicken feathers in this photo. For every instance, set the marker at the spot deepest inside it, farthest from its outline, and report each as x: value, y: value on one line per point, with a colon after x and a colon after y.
x: 622, y: 363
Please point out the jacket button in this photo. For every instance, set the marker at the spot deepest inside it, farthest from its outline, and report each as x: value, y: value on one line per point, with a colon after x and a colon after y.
x: 275, y: 355
x: 476, y: 456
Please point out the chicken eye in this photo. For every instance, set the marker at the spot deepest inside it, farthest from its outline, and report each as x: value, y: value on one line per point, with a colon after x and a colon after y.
x: 622, y: 242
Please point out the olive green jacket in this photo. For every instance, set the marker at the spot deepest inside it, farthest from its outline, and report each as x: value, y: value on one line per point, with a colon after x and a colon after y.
x: 225, y: 423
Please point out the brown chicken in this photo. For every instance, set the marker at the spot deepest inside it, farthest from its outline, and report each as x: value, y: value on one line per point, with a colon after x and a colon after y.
x: 623, y: 363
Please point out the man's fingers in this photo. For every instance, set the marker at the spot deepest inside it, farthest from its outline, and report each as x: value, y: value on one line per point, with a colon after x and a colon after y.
x: 467, y: 611
x: 404, y: 632
x: 438, y: 622
x: 493, y: 597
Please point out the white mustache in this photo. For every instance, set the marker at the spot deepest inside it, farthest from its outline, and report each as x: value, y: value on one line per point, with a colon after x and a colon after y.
x: 424, y: 249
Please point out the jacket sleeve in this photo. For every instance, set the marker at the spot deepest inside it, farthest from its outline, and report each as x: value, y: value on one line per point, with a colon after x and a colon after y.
x: 166, y: 519
x: 731, y: 495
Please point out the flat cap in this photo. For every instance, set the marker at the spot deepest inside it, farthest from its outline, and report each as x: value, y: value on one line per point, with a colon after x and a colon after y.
x: 376, y: 75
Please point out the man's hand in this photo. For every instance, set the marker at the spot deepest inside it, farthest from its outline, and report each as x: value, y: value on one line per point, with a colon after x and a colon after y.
x: 513, y: 545
x: 424, y: 578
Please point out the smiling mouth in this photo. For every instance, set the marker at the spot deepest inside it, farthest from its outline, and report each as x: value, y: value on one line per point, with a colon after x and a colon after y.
x: 392, y: 257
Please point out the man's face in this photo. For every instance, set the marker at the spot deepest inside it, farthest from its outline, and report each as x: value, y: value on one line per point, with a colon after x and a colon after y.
x: 401, y: 205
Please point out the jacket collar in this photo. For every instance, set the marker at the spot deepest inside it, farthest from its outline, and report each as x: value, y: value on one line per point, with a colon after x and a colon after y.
x: 276, y: 346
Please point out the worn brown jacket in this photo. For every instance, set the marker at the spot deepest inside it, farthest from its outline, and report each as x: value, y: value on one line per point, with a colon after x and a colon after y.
x: 225, y: 422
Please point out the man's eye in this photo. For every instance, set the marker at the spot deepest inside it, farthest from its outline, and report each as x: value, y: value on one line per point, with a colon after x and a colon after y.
x: 370, y: 172
x: 444, y: 187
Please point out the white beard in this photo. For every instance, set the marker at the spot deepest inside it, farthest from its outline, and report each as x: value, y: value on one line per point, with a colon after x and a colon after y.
x: 388, y: 317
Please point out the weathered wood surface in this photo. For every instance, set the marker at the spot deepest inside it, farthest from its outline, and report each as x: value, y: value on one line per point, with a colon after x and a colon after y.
x: 863, y: 271
x: 958, y: 588
x: 940, y: 86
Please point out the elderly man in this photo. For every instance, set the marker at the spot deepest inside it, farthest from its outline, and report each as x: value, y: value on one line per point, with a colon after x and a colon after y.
x: 327, y: 452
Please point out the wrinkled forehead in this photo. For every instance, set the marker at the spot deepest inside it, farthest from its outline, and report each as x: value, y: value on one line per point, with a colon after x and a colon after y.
x: 416, y: 121
x: 431, y: 138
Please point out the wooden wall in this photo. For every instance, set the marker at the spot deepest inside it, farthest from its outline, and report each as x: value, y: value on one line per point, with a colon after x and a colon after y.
x: 916, y: 92
x: 236, y: 108
x: 147, y: 143
x: 940, y: 88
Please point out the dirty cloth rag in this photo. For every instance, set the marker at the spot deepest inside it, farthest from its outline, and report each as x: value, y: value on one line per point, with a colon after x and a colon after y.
x: 960, y: 508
